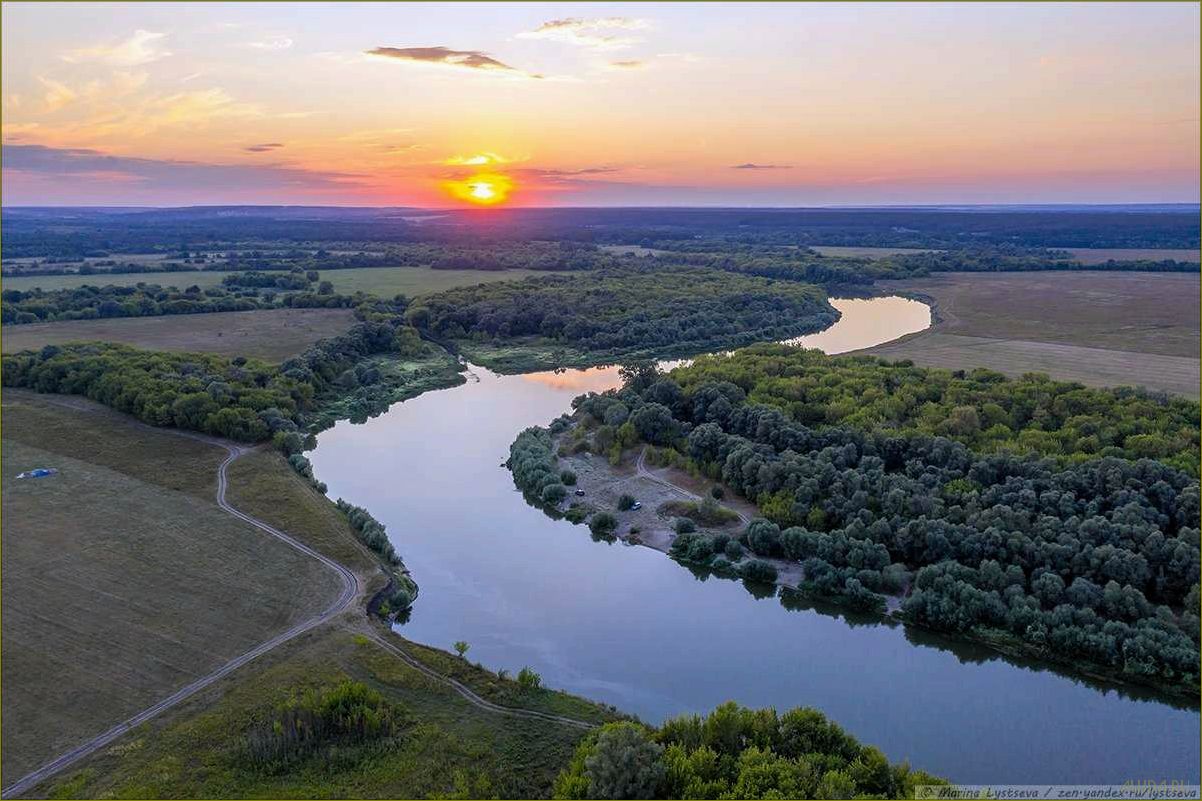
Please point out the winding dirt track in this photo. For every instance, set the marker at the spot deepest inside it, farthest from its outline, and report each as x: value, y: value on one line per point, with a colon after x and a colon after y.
x: 351, y: 588
x: 641, y: 468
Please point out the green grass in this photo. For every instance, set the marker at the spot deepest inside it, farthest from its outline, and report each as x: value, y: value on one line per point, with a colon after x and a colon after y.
x: 447, y: 744
x: 269, y: 334
x: 382, y: 281
x: 122, y: 578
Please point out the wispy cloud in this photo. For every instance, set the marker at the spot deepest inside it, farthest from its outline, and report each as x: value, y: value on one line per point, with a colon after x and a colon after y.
x: 266, y: 147
x: 632, y: 64
x: 476, y: 160
x: 274, y: 42
x: 58, y: 94
x: 602, y: 33
x: 142, y: 47
x: 750, y: 166
x: 159, y: 175
x: 469, y: 59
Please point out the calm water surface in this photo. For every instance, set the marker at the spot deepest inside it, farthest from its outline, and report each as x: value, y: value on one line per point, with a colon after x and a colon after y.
x: 628, y: 626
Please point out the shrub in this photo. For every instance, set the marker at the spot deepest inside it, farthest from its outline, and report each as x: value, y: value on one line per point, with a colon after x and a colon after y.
x: 684, y: 526
x: 603, y: 523
x: 758, y: 570
x: 625, y: 502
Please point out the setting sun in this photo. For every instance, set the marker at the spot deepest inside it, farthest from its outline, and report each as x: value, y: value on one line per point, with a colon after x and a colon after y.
x: 485, y: 189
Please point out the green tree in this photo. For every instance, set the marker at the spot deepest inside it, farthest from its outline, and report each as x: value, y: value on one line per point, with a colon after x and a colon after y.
x: 624, y: 763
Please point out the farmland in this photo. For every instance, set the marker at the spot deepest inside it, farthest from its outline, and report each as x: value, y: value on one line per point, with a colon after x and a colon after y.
x: 123, y: 579
x: 269, y: 334
x: 1099, y: 328
x: 382, y: 281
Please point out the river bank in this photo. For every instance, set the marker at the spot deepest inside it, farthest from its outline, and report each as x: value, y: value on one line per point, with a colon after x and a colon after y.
x: 634, y: 630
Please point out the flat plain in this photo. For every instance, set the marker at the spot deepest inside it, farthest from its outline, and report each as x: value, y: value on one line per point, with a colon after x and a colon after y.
x: 1099, y: 328
x: 123, y: 579
x: 1103, y: 255
x: 269, y: 334
x: 382, y: 281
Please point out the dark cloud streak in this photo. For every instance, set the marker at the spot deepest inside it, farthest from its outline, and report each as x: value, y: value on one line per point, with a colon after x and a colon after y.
x: 470, y: 59
x: 750, y: 166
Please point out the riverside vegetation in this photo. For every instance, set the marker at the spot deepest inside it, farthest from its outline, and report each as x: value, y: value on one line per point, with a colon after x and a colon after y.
x: 1040, y: 544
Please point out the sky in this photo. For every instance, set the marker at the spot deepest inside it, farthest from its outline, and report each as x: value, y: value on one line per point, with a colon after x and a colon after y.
x: 599, y: 104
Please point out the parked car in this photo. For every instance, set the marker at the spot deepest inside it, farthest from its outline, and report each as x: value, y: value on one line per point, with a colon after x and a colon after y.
x: 580, y: 492
x: 636, y: 506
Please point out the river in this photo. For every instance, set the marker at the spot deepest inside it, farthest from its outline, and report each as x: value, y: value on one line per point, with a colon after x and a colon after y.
x: 628, y: 626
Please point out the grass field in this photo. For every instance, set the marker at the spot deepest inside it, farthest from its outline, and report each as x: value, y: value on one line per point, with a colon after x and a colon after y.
x: 1102, y: 255
x: 383, y: 281
x: 865, y: 252
x: 122, y: 580
x: 448, y: 745
x: 269, y: 334
x: 1099, y: 328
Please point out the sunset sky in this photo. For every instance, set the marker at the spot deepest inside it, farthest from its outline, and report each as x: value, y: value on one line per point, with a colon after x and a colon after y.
x: 599, y: 104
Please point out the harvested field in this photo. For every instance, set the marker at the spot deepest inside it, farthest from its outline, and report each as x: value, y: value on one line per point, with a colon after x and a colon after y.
x: 866, y: 252
x: 122, y: 579
x: 1103, y: 255
x: 382, y: 281
x: 1099, y: 328
x: 270, y: 334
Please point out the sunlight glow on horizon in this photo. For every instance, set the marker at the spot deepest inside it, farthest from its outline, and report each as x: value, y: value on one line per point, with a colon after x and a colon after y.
x: 636, y: 104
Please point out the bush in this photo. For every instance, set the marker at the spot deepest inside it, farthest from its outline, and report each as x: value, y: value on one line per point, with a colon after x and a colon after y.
x: 684, y: 526
x: 758, y: 570
x: 625, y: 502
x: 554, y: 493
x: 528, y: 679
x: 568, y: 478
x: 603, y: 524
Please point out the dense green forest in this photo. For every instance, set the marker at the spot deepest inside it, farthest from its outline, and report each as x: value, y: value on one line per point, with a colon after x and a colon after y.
x: 611, y: 313
x: 980, y: 408
x: 105, y: 232
x: 734, y: 752
x: 1088, y: 558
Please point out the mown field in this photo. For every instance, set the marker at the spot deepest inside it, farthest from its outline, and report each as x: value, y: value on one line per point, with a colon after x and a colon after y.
x: 123, y: 580
x: 1099, y: 328
x: 1103, y: 255
x: 864, y: 252
x: 269, y: 334
x: 383, y: 281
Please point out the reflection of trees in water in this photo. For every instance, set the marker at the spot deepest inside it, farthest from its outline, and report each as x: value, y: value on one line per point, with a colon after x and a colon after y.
x: 965, y: 651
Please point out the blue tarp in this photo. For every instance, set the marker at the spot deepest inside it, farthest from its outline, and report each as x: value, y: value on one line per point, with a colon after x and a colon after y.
x: 38, y: 472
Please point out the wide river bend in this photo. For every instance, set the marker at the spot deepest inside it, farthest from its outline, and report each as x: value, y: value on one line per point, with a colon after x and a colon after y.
x: 628, y: 626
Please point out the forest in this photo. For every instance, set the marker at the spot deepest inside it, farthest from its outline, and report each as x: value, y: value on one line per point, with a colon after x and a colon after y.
x: 980, y: 408
x: 239, y: 292
x: 244, y: 400
x: 609, y: 313
x: 734, y: 752
x: 1090, y: 559
x: 104, y: 232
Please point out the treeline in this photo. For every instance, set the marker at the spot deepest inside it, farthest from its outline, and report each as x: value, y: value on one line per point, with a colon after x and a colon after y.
x: 611, y: 311
x: 972, y: 260
x: 244, y: 400
x: 734, y: 752
x: 1091, y: 562
x: 980, y: 408
x: 240, y: 292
